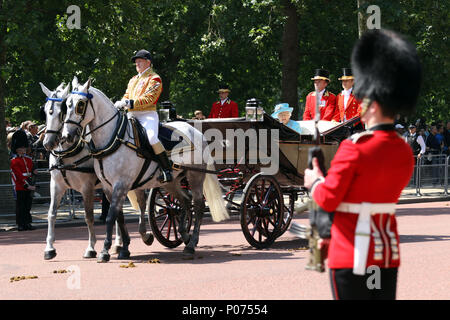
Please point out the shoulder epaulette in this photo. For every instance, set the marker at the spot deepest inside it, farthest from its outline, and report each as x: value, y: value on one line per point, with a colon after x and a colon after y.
x: 355, y: 137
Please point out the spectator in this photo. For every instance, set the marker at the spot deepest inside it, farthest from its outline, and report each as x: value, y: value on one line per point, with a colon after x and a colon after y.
x: 447, y: 137
x: 22, y: 171
x: 434, y: 149
x: 224, y: 107
x: 283, y: 113
x: 400, y: 129
x: 415, y: 141
x: 327, y: 100
x: 198, y: 115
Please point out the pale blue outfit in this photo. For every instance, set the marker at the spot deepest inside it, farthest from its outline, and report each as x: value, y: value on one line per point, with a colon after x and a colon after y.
x: 282, y: 107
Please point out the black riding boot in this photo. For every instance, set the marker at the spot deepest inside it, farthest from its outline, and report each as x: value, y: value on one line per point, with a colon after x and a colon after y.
x: 166, y: 167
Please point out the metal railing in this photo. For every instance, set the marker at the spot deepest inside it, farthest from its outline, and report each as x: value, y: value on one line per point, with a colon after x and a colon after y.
x: 430, y: 171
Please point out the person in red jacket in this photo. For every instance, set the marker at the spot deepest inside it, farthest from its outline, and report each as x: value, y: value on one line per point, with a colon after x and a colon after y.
x: 327, y: 102
x: 347, y: 106
x: 370, y: 170
x: 225, y: 107
x: 21, y: 172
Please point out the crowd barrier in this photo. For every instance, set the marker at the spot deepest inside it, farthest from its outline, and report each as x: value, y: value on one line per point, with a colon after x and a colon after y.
x: 431, y: 172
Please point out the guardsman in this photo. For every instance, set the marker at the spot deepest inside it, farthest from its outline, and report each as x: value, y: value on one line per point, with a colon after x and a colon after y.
x: 327, y: 102
x: 347, y: 106
x: 140, y: 100
x: 224, y: 107
x: 21, y: 172
x: 370, y: 170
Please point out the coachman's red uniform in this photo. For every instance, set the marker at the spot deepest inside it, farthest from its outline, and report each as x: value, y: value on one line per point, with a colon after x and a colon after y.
x: 344, y: 113
x: 365, y: 180
x: 327, y: 106
x: 229, y: 109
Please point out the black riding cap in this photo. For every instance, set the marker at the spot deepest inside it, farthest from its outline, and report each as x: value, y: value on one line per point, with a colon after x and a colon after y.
x: 387, y: 70
x: 142, y: 54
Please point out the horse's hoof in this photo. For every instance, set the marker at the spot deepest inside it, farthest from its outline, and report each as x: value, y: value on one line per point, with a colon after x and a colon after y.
x: 149, y: 240
x: 90, y: 254
x: 186, y: 239
x: 104, y: 257
x: 116, y: 249
x: 48, y: 255
x: 123, y: 255
x: 188, y: 251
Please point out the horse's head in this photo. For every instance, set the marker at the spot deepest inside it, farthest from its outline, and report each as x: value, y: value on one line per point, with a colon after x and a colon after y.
x: 53, y: 113
x: 78, y: 112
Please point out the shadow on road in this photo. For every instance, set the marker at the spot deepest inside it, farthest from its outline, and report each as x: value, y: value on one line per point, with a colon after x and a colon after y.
x: 422, y: 238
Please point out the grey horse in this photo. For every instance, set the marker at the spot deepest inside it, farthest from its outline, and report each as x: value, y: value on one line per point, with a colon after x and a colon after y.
x: 71, y: 167
x: 120, y: 170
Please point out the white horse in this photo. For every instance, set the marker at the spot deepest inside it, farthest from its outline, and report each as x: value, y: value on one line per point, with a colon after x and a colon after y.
x: 71, y: 167
x: 119, y: 167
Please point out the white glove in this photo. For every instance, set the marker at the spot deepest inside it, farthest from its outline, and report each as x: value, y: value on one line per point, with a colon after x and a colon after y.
x: 121, y: 104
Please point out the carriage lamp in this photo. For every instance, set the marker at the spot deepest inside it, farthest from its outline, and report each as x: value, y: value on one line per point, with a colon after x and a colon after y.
x: 163, y: 115
x: 253, y: 110
x: 167, y: 111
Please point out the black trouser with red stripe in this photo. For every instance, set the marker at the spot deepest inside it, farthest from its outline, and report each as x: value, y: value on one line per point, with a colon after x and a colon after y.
x: 372, y: 286
x: 23, y: 207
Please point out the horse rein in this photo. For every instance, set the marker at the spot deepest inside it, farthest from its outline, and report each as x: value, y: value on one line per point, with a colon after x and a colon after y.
x: 82, y: 113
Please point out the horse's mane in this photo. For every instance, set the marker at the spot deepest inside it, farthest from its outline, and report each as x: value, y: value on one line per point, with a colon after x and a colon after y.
x: 100, y: 93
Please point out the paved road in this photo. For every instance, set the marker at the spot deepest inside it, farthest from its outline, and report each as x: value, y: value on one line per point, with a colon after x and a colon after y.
x: 225, y: 267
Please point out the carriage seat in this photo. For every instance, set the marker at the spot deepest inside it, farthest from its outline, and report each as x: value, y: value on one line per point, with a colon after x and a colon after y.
x: 308, y: 126
x: 144, y: 149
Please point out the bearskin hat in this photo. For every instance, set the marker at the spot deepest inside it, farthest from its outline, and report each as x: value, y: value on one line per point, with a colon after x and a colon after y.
x: 387, y: 70
x: 19, y: 140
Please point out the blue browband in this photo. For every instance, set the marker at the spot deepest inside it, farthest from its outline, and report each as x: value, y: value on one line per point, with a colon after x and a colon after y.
x: 54, y: 99
x: 87, y: 95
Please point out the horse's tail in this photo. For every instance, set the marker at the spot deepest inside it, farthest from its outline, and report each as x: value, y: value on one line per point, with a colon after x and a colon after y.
x: 133, y: 200
x: 213, y: 196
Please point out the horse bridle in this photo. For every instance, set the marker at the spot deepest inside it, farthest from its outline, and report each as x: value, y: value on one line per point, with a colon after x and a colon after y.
x: 54, y: 99
x: 80, y: 110
x: 81, y: 107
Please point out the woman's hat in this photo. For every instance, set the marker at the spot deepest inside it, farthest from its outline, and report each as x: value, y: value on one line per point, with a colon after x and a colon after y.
x: 281, y: 107
x: 321, y: 74
x: 347, y: 74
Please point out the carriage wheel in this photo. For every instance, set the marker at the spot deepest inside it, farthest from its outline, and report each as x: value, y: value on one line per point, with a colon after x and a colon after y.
x: 262, y: 211
x: 164, y: 214
x: 288, y: 213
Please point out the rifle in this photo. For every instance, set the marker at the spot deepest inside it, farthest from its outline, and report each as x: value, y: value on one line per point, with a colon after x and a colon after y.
x: 320, y: 221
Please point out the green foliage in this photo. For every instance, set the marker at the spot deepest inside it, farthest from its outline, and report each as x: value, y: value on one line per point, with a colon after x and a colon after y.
x: 197, y: 44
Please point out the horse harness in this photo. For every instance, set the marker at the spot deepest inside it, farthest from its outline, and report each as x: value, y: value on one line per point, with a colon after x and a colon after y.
x: 72, y: 151
x: 117, y: 139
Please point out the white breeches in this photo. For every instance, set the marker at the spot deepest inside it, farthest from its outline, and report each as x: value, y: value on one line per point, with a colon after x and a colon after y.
x: 150, y: 121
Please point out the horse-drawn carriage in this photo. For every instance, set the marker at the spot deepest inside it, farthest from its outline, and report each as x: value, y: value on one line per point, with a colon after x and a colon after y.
x: 260, y: 164
x: 257, y: 161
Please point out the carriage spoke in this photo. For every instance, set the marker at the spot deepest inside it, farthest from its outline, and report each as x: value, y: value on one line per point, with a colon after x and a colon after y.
x: 164, y: 224
x: 168, y: 229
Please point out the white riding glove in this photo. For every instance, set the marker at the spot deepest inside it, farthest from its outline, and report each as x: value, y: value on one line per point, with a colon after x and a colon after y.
x: 124, y: 104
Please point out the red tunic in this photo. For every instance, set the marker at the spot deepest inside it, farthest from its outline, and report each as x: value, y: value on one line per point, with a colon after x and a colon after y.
x: 353, y: 108
x: 327, y: 106
x: 21, y: 168
x: 228, y: 110
x: 374, y: 168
